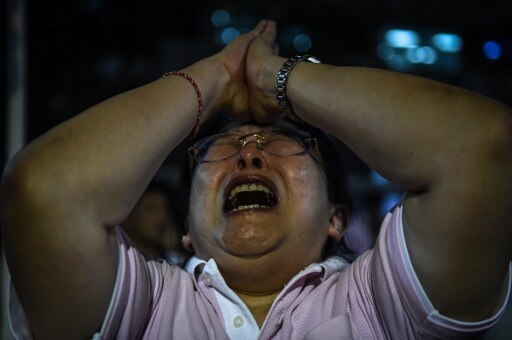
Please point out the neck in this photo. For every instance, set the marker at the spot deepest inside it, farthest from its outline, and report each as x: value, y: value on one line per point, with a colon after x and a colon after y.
x: 259, y: 305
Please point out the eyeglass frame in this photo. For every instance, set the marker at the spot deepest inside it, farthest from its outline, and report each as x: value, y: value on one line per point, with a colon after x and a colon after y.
x: 303, y: 137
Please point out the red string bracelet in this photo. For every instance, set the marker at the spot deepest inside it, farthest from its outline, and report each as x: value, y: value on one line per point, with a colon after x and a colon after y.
x: 194, y: 131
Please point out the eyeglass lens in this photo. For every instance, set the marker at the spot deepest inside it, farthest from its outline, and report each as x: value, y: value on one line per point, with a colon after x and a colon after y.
x: 224, y: 146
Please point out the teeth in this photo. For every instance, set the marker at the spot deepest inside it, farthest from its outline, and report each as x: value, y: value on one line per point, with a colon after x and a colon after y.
x: 249, y: 187
x: 242, y: 204
x: 252, y: 206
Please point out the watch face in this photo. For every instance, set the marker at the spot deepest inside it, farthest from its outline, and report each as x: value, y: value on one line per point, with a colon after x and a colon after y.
x: 314, y: 60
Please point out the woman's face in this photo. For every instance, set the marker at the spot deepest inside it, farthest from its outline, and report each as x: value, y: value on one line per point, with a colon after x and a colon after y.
x: 259, y: 248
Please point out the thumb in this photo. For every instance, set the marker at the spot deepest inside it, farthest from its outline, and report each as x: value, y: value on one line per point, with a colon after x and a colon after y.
x: 259, y: 27
x: 269, y: 32
x: 254, y: 33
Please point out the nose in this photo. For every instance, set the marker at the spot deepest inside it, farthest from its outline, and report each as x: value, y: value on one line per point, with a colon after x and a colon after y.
x: 250, y: 156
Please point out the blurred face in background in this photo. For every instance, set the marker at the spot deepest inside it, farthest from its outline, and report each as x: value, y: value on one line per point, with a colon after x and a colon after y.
x: 151, y: 225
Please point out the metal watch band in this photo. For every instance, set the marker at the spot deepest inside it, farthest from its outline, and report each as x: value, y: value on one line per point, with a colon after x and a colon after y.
x: 282, y: 79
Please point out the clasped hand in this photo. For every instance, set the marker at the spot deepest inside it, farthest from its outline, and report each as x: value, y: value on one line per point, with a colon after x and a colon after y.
x: 252, y: 62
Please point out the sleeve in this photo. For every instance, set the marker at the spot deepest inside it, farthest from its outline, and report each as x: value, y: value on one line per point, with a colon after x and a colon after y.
x: 132, y: 296
x: 403, y: 307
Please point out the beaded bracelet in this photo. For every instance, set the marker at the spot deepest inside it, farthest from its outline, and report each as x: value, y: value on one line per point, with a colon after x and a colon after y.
x: 195, y: 130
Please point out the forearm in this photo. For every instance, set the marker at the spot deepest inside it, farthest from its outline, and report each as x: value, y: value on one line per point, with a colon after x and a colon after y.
x: 451, y: 146
x: 61, y: 193
x: 410, y: 129
x: 102, y: 159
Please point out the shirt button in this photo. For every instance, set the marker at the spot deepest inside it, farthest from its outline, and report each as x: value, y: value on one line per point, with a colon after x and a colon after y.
x: 208, y: 280
x: 238, y: 322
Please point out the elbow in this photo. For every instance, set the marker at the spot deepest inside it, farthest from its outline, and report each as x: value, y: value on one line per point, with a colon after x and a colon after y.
x: 499, y: 138
x: 19, y: 185
x: 12, y: 181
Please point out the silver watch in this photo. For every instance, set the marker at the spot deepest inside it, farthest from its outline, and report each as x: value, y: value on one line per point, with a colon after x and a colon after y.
x: 282, y: 78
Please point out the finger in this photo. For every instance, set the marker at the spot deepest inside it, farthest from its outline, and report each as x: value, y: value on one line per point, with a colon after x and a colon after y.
x: 259, y: 27
x: 269, y: 32
x: 256, y: 31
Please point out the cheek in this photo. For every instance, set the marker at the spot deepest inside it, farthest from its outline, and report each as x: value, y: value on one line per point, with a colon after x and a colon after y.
x: 203, y: 209
x: 198, y: 192
x: 310, y: 191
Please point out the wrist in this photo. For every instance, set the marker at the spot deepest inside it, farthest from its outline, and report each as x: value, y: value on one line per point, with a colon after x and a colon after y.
x: 267, y: 76
x: 282, y: 83
x: 213, y: 80
x: 225, y: 87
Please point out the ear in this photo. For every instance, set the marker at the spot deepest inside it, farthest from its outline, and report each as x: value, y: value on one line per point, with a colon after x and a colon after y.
x: 186, y: 240
x: 337, y: 222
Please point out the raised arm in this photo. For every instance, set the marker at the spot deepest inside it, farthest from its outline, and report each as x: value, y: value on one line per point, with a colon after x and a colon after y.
x: 65, y: 191
x: 450, y: 148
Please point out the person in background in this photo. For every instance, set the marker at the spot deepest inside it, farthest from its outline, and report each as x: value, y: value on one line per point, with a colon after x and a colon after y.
x: 153, y: 228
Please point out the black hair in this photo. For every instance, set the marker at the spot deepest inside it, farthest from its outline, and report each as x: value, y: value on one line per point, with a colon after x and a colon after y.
x: 332, y: 163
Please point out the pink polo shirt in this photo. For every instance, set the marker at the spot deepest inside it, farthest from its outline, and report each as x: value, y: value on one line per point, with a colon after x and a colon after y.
x: 376, y: 297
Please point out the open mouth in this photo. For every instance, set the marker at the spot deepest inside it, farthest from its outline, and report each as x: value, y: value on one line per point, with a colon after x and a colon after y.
x: 244, y: 196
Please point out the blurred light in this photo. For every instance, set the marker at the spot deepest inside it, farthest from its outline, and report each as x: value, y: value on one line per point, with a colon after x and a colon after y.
x: 229, y: 34
x: 421, y: 55
x: 384, y: 51
x: 402, y: 38
x: 447, y: 42
x: 492, y: 50
x: 302, y: 42
x: 412, y: 55
x: 399, y: 63
x: 378, y: 179
x: 389, y: 200
x: 429, y: 55
x: 220, y: 17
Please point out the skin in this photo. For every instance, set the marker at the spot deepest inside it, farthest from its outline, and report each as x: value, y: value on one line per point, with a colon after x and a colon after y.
x: 449, y: 148
x: 254, y: 243
x: 60, y: 211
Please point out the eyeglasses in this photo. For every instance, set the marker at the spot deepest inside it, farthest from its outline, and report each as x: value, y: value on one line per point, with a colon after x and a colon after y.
x: 276, y: 142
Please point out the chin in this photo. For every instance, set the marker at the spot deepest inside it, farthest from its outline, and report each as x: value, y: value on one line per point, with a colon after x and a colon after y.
x: 249, y: 240
x: 248, y: 249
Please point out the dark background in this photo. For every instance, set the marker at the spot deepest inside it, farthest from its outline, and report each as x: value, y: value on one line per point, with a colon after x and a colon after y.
x: 80, y: 52
x: 83, y: 51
